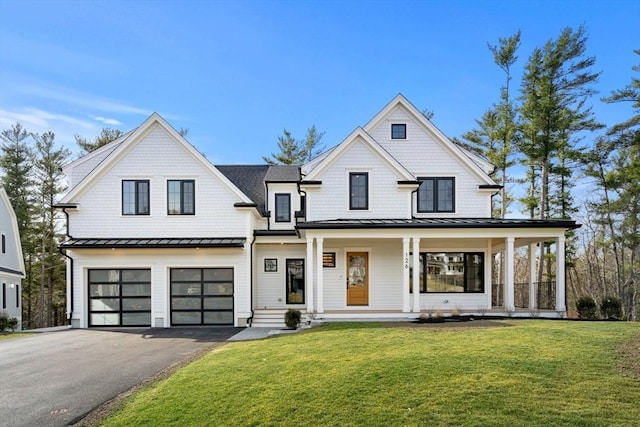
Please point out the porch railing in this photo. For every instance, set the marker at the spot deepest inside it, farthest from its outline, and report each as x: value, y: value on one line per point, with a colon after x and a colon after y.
x: 545, y: 295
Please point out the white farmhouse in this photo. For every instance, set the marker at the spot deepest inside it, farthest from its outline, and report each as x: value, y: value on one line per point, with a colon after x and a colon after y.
x: 392, y: 222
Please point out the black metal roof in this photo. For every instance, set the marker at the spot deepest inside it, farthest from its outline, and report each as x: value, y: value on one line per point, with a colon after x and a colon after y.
x: 155, y: 243
x: 275, y: 233
x: 439, y: 223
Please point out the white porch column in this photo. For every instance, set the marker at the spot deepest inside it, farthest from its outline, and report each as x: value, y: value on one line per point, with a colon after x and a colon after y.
x: 533, y: 304
x: 416, y: 274
x: 309, y: 276
x: 560, y: 285
x: 508, y: 275
x: 405, y: 275
x: 320, y: 276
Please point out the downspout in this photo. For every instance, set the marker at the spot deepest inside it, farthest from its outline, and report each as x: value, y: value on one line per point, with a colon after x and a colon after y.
x: 250, y: 319
x: 63, y: 252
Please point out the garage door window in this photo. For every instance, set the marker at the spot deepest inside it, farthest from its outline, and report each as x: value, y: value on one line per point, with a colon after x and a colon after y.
x: 120, y: 297
x: 202, y: 296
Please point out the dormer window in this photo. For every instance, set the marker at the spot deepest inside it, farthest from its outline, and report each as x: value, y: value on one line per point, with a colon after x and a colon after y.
x: 398, y: 131
x: 283, y: 207
x: 358, y: 191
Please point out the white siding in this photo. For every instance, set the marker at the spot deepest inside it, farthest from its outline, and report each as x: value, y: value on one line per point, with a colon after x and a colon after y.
x: 292, y: 190
x: 159, y: 261
x: 425, y: 156
x: 158, y: 158
x: 269, y: 291
x: 331, y: 201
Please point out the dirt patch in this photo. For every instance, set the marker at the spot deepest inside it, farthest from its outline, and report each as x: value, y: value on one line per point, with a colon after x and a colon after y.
x: 104, y: 411
x: 628, y: 358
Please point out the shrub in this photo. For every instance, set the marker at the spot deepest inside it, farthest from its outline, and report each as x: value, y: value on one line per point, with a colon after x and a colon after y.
x: 611, y: 308
x: 13, y: 322
x: 292, y: 318
x: 4, y: 322
x: 587, y: 308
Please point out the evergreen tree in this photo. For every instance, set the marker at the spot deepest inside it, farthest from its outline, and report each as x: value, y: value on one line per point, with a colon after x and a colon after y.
x: 296, y: 152
x: 106, y: 136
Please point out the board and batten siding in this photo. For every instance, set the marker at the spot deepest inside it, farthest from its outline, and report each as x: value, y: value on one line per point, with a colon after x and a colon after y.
x: 160, y: 261
x: 158, y: 158
x: 331, y: 200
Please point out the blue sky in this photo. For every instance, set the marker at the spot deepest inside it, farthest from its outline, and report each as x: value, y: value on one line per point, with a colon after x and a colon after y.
x: 236, y: 73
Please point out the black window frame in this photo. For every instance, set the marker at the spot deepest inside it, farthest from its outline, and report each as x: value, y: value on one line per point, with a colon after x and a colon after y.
x: 395, y: 127
x: 139, y: 205
x: 328, y: 260
x: 4, y: 296
x: 424, y: 285
x: 288, y: 283
x: 435, y: 202
x: 280, y: 215
x: 183, y: 200
x: 353, y: 175
x: 4, y: 244
x: 17, y: 296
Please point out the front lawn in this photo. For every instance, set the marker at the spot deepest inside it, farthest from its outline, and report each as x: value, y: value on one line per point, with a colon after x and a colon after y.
x: 515, y: 372
x: 8, y: 335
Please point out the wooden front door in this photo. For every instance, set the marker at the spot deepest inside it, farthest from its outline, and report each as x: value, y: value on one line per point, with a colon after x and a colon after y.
x: 357, y: 278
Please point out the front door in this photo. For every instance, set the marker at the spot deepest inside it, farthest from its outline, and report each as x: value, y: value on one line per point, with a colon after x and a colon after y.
x: 357, y: 278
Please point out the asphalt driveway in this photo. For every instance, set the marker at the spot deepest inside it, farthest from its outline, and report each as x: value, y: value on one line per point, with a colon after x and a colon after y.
x: 54, y: 378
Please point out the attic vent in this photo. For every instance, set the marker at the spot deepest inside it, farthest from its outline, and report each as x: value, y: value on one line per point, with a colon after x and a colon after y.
x: 398, y: 131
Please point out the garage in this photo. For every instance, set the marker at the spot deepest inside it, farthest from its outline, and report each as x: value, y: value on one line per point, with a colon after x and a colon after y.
x: 201, y: 296
x: 119, y: 297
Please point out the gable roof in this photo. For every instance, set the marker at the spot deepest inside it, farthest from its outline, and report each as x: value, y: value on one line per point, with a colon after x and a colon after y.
x: 373, y: 146
x: 472, y: 165
x: 132, y: 138
x: 16, y: 244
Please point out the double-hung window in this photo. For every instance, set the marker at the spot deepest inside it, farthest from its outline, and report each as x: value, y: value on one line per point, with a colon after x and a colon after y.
x: 283, y: 207
x: 135, y: 197
x: 436, y: 195
x: 358, y: 191
x: 181, y: 197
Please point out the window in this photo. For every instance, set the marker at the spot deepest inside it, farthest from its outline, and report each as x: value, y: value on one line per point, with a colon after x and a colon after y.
x: 283, y: 207
x: 436, y: 195
x: 398, y: 131
x: 450, y: 272
x: 329, y: 259
x: 181, y: 197
x: 295, y: 281
x: 17, y: 296
x: 4, y: 296
x: 4, y: 244
x: 358, y: 191
x: 135, y: 197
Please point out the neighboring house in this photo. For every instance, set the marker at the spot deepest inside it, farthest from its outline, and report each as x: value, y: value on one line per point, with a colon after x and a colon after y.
x: 392, y: 222
x: 11, y: 261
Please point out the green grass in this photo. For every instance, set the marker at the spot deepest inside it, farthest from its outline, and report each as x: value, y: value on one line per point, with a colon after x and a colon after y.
x: 8, y: 335
x: 530, y: 372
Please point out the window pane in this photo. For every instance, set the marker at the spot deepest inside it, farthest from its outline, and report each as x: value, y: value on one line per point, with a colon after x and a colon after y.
x: 295, y: 281
x: 103, y: 290
x: 218, y: 317
x: 143, y: 198
x: 105, y: 319
x: 218, y: 288
x: 104, y: 276
x: 136, y: 319
x: 191, y: 318
x: 186, y: 303
x: 425, y: 196
x: 185, y: 288
x: 188, y: 197
x: 474, y: 273
x: 136, y: 275
x: 185, y: 274
x: 358, y: 190
x: 173, y: 197
x: 138, y: 290
x: 136, y: 304
x: 128, y: 197
x: 398, y: 131
x: 105, y: 304
x: 218, y: 274
x: 217, y: 303
x: 283, y: 208
x: 445, y: 195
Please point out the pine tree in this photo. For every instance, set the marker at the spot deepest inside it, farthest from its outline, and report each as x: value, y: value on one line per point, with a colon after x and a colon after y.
x: 296, y: 152
x: 106, y: 136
